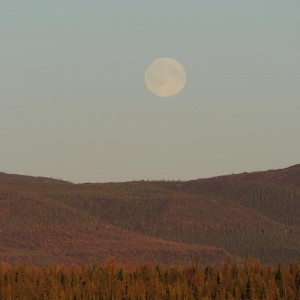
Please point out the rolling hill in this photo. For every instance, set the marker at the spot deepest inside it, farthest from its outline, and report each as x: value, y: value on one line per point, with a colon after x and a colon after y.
x: 48, y: 221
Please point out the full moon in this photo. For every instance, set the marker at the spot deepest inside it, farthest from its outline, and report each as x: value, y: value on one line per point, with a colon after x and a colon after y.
x: 165, y: 77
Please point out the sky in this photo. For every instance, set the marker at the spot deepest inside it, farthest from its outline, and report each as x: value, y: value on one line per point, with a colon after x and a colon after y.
x: 74, y: 105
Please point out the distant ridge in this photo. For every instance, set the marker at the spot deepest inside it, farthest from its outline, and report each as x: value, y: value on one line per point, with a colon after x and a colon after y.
x: 295, y: 168
x: 48, y: 221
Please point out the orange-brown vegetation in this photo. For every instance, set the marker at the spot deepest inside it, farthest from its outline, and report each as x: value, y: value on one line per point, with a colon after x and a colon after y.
x: 250, y: 280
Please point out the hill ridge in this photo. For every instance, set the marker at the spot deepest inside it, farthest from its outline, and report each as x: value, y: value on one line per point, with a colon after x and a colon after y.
x: 14, y: 175
x: 45, y: 220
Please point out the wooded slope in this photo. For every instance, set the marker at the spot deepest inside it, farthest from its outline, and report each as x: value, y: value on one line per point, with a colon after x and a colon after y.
x: 257, y: 214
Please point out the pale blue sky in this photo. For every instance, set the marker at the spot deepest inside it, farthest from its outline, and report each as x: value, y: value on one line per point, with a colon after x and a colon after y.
x: 73, y: 103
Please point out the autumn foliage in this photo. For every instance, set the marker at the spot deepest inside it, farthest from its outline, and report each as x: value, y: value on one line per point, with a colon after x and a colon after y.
x: 250, y: 280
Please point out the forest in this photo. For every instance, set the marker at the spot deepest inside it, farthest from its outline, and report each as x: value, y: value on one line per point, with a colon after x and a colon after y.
x: 250, y: 280
x: 226, y: 237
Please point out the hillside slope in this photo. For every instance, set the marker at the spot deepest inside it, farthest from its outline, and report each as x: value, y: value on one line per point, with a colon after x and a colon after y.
x: 38, y: 229
x: 44, y: 220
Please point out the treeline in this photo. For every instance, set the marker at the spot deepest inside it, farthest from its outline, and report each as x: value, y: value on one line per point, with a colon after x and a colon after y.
x: 250, y: 280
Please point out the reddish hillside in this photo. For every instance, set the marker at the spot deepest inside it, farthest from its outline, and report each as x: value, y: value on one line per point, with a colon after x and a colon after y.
x: 44, y: 220
x: 40, y: 230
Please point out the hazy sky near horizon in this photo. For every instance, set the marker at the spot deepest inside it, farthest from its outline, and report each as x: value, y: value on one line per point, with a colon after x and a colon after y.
x: 73, y: 103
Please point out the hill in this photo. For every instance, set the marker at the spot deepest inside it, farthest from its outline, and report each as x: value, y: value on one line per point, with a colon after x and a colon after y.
x: 44, y: 221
